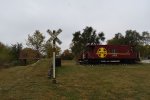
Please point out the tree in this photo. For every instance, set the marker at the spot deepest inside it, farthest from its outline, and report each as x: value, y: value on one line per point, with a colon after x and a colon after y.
x: 49, y: 50
x: 133, y: 38
x: 145, y: 47
x: 36, y: 41
x: 146, y: 37
x: 88, y: 36
x: 76, y: 45
x: 118, y: 39
x: 5, y: 54
x: 28, y: 55
x: 15, y: 50
x: 67, y: 55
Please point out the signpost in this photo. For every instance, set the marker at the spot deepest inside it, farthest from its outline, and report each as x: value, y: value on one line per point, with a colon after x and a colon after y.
x: 54, y: 38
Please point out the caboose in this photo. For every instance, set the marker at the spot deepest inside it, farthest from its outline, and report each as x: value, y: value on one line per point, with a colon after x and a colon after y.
x: 97, y: 54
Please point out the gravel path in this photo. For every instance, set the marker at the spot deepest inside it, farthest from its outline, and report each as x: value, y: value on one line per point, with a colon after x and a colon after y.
x: 145, y: 61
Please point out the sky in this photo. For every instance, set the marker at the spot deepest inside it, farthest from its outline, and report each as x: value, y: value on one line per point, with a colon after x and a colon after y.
x: 18, y: 18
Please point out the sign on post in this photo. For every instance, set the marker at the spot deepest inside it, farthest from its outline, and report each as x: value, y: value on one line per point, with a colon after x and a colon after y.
x: 54, y: 38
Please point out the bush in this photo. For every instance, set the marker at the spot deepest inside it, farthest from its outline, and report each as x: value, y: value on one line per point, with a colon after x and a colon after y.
x: 5, y: 55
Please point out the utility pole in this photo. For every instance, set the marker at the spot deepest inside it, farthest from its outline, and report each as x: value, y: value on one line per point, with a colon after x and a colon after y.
x: 54, y: 39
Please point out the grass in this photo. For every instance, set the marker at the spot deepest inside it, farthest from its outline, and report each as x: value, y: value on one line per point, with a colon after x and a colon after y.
x: 76, y: 82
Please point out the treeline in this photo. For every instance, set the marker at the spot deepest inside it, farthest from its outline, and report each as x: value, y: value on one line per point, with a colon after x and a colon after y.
x: 139, y: 41
x: 16, y: 54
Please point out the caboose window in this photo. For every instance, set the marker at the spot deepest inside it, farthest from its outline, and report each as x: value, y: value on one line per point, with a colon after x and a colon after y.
x: 113, y: 51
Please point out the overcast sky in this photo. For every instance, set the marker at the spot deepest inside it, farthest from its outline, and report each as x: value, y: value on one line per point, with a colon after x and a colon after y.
x: 18, y: 18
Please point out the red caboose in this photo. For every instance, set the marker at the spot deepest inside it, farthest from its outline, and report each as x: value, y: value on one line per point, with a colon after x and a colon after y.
x: 109, y: 53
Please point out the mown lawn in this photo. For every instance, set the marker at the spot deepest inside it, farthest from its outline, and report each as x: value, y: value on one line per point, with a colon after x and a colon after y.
x: 76, y: 82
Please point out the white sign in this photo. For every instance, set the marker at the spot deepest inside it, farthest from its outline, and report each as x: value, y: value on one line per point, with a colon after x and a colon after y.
x: 58, y: 41
x: 54, y: 36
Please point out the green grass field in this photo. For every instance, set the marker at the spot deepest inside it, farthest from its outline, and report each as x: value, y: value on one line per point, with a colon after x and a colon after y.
x: 76, y: 82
